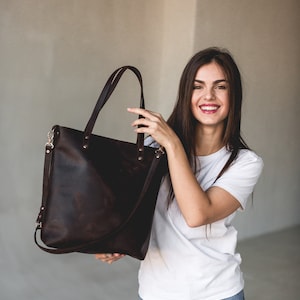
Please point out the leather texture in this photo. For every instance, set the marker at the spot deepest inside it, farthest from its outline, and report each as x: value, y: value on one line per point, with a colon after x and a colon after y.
x: 99, y: 194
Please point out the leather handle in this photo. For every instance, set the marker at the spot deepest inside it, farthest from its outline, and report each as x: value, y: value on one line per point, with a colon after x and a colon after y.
x: 104, y: 96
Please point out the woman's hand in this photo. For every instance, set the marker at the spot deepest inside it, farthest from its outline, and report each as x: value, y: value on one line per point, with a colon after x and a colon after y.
x: 154, y: 124
x: 109, y: 257
x: 197, y: 206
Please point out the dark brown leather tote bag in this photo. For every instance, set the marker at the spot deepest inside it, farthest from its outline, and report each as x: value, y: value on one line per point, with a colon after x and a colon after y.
x: 99, y: 194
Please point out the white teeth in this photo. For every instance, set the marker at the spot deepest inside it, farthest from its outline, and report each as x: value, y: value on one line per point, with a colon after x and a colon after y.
x: 209, y: 108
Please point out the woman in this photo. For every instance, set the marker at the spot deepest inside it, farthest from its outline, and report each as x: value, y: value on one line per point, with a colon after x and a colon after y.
x: 212, y: 173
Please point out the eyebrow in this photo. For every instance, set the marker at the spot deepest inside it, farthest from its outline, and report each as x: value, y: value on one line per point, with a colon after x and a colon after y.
x: 215, y: 82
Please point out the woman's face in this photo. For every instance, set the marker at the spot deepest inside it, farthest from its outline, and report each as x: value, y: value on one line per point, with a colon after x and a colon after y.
x: 210, y: 98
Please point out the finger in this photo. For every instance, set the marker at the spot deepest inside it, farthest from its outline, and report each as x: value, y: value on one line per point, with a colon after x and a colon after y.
x: 109, y: 257
x: 143, y: 112
x: 142, y: 122
x: 115, y: 257
x: 118, y: 255
x: 100, y: 256
x: 136, y: 110
x: 103, y: 256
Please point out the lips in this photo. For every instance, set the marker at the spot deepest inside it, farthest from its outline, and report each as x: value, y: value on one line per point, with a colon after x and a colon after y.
x: 209, y: 108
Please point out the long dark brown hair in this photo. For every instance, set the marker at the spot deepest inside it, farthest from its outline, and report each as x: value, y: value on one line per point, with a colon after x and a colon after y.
x: 182, y: 120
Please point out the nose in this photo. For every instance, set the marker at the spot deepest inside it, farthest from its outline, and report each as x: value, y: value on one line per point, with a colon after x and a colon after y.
x: 210, y: 94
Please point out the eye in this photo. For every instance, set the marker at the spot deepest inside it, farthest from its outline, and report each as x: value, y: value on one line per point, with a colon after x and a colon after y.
x: 197, y: 87
x: 221, y: 87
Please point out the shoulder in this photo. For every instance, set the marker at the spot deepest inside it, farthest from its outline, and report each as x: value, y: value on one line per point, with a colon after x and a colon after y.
x: 242, y: 175
x: 246, y: 166
x: 248, y: 158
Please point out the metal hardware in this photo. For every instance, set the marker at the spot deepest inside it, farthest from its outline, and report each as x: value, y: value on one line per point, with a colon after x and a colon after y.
x: 49, y: 145
x: 159, y: 152
x: 86, y: 142
x: 40, y: 216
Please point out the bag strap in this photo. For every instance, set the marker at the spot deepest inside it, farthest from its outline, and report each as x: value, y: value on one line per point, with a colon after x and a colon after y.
x: 104, y: 96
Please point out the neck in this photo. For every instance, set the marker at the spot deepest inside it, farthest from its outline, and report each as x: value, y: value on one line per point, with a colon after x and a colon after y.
x: 208, y: 140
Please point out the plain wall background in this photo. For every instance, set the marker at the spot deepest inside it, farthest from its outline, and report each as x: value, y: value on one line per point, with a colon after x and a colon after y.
x: 54, y: 59
x: 264, y: 38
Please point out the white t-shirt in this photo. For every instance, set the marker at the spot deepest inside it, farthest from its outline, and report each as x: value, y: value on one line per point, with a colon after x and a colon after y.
x: 184, y: 263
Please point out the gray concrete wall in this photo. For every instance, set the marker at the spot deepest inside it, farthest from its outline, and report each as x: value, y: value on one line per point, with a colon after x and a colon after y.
x: 264, y: 38
x: 54, y: 59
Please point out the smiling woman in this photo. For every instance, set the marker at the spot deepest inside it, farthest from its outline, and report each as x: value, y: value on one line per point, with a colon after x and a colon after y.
x: 210, y: 98
x: 211, y: 174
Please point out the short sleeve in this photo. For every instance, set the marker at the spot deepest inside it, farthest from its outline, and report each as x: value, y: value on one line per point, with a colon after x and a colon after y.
x: 150, y: 142
x: 241, y: 177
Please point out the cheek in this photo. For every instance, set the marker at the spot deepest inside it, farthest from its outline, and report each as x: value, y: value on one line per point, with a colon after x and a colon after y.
x: 194, y: 104
x: 225, y: 101
x: 196, y: 95
x: 227, y: 104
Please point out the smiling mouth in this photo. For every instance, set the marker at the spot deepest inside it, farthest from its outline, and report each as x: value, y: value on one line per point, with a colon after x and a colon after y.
x: 209, y: 108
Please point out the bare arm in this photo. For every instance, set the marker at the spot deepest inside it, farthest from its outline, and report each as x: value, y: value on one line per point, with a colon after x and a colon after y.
x: 197, y: 207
